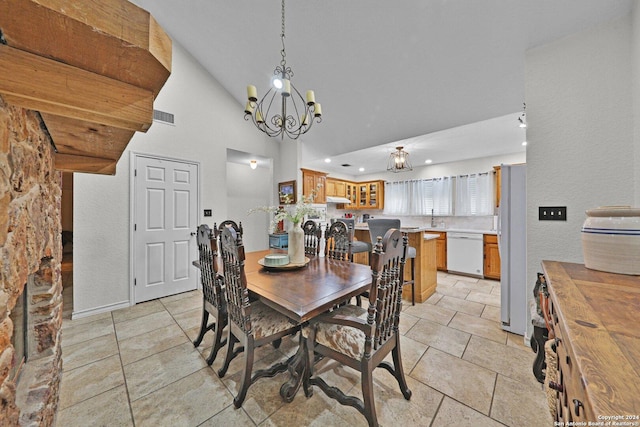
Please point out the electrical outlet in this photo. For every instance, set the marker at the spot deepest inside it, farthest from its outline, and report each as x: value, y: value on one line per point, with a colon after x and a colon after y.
x: 552, y: 213
x: 207, y: 212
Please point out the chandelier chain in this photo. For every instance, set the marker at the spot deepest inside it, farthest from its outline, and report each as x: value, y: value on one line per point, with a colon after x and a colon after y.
x: 283, y: 62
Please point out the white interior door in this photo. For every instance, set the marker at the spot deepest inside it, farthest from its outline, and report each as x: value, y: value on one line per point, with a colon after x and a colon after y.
x: 165, y: 215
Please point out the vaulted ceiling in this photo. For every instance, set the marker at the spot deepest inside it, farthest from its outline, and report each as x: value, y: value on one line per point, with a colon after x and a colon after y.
x: 445, y: 76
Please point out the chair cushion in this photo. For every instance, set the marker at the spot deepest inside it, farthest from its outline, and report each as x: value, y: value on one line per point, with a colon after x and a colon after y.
x: 411, y: 252
x: 358, y: 246
x: 344, y: 339
x: 266, y: 321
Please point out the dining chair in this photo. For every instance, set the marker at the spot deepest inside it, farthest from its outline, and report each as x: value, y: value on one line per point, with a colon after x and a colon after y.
x: 229, y: 224
x: 378, y: 227
x: 357, y: 246
x: 213, y: 301
x: 312, y: 237
x: 251, y: 323
x: 361, y: 338
x: 337, y: 241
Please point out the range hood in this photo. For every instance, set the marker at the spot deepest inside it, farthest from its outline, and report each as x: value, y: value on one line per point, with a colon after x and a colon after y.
x: 334, y: 199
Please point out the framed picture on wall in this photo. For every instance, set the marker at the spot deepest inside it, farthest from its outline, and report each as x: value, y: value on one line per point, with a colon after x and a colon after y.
x: 287, y: 192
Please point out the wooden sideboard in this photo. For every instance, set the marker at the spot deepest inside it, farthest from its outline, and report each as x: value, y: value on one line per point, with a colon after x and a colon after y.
x: 595, y: 317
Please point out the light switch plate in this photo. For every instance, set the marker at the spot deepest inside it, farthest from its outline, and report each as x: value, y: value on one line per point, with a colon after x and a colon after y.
x: 552, y: 213
x: 207, y: 212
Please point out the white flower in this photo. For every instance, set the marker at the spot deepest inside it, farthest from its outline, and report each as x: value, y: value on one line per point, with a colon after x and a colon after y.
x: 293, y: 213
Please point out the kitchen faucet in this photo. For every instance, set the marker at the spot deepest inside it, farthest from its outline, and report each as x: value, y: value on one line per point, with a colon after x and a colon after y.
x: 433, y: 221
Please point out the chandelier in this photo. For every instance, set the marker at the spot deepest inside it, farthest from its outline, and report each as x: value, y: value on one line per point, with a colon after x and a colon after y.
x: 399, y: 161
x: 294, y: 116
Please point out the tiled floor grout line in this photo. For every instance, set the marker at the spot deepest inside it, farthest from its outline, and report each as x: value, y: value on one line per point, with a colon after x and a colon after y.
x: 124, y: 377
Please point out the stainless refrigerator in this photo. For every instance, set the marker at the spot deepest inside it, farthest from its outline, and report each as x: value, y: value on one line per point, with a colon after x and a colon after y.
x: 512, y: 244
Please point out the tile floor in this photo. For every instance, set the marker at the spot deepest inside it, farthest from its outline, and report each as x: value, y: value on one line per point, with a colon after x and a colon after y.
x: 138, y: 366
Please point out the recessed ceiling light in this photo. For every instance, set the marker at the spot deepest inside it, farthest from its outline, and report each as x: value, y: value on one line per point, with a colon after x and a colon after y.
x: 524, y: 144
x: 428, y: 161
x: 361, y: 169
x: 327, y: 160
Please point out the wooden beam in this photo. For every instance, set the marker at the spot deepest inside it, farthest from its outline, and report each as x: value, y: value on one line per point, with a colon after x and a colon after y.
x: 48, y: 86
x: 72, y: 163
x: 113, y: 38
x: 81, y: 138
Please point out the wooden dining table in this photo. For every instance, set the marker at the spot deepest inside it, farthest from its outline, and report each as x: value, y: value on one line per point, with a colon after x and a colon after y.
x: 302, y: 294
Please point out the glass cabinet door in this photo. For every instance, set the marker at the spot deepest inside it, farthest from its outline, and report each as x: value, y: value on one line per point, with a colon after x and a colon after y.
x: 373, y: 195
x: 362, y: 195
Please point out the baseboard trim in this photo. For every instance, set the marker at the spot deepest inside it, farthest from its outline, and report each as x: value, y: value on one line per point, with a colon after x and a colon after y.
x: 99, y: 310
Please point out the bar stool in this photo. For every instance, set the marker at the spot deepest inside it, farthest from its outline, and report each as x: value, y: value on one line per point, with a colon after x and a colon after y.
x: 378, y: 227
x: 357, y: 246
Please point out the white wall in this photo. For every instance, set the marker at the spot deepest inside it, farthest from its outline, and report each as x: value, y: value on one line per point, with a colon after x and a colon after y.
x: 635, y: 58
x: 207, y: 121
x: 249, y: 188
x: 581, y: 152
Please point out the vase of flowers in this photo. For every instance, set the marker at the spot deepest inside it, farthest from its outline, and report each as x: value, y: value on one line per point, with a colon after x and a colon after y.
x: 295, y: 250
x: 294, y: 214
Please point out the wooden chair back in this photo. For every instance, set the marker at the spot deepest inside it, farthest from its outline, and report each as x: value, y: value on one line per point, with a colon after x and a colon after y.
x: 235, y: 280
x: 229, y: 223
x: 338, y: 242
x: 207, y: 257
x: 385, y: 296
x: 312, y: 236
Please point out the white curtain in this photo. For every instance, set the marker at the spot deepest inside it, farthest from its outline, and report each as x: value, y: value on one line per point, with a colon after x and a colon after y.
x: 418, y: 197
x: 442, y: 196
x: 474, y: 194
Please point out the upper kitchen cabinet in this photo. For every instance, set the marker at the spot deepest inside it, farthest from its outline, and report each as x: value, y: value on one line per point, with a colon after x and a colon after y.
x: 370, y: 195
x: 314, y: 181
x: 336, y: 187
x: 363, y: 195
x: 351, y: 194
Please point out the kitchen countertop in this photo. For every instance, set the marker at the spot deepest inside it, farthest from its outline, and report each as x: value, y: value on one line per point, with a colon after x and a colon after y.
x: 460, y: 230
x: 363, y: 226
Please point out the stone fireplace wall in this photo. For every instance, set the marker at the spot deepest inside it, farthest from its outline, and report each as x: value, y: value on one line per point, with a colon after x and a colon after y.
x: 30, y: 243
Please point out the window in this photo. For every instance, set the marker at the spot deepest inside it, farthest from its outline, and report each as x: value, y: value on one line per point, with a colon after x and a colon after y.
x: 418, y: 197
x: 474, y: 194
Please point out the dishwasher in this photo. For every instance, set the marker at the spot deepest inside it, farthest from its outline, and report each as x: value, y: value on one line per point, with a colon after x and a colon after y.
x: 465, y: 253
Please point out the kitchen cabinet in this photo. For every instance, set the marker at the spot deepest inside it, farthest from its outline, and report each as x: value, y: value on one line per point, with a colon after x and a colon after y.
x: 336, y: 187
x: 441, y: 251
x: 491, y: 257
x: 363, y: 195
x: 351, y: 189
x: 314, y: 180
x: 370, y: 195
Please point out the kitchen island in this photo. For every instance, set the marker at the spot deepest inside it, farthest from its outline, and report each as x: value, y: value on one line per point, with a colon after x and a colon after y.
x: 425, y: 262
